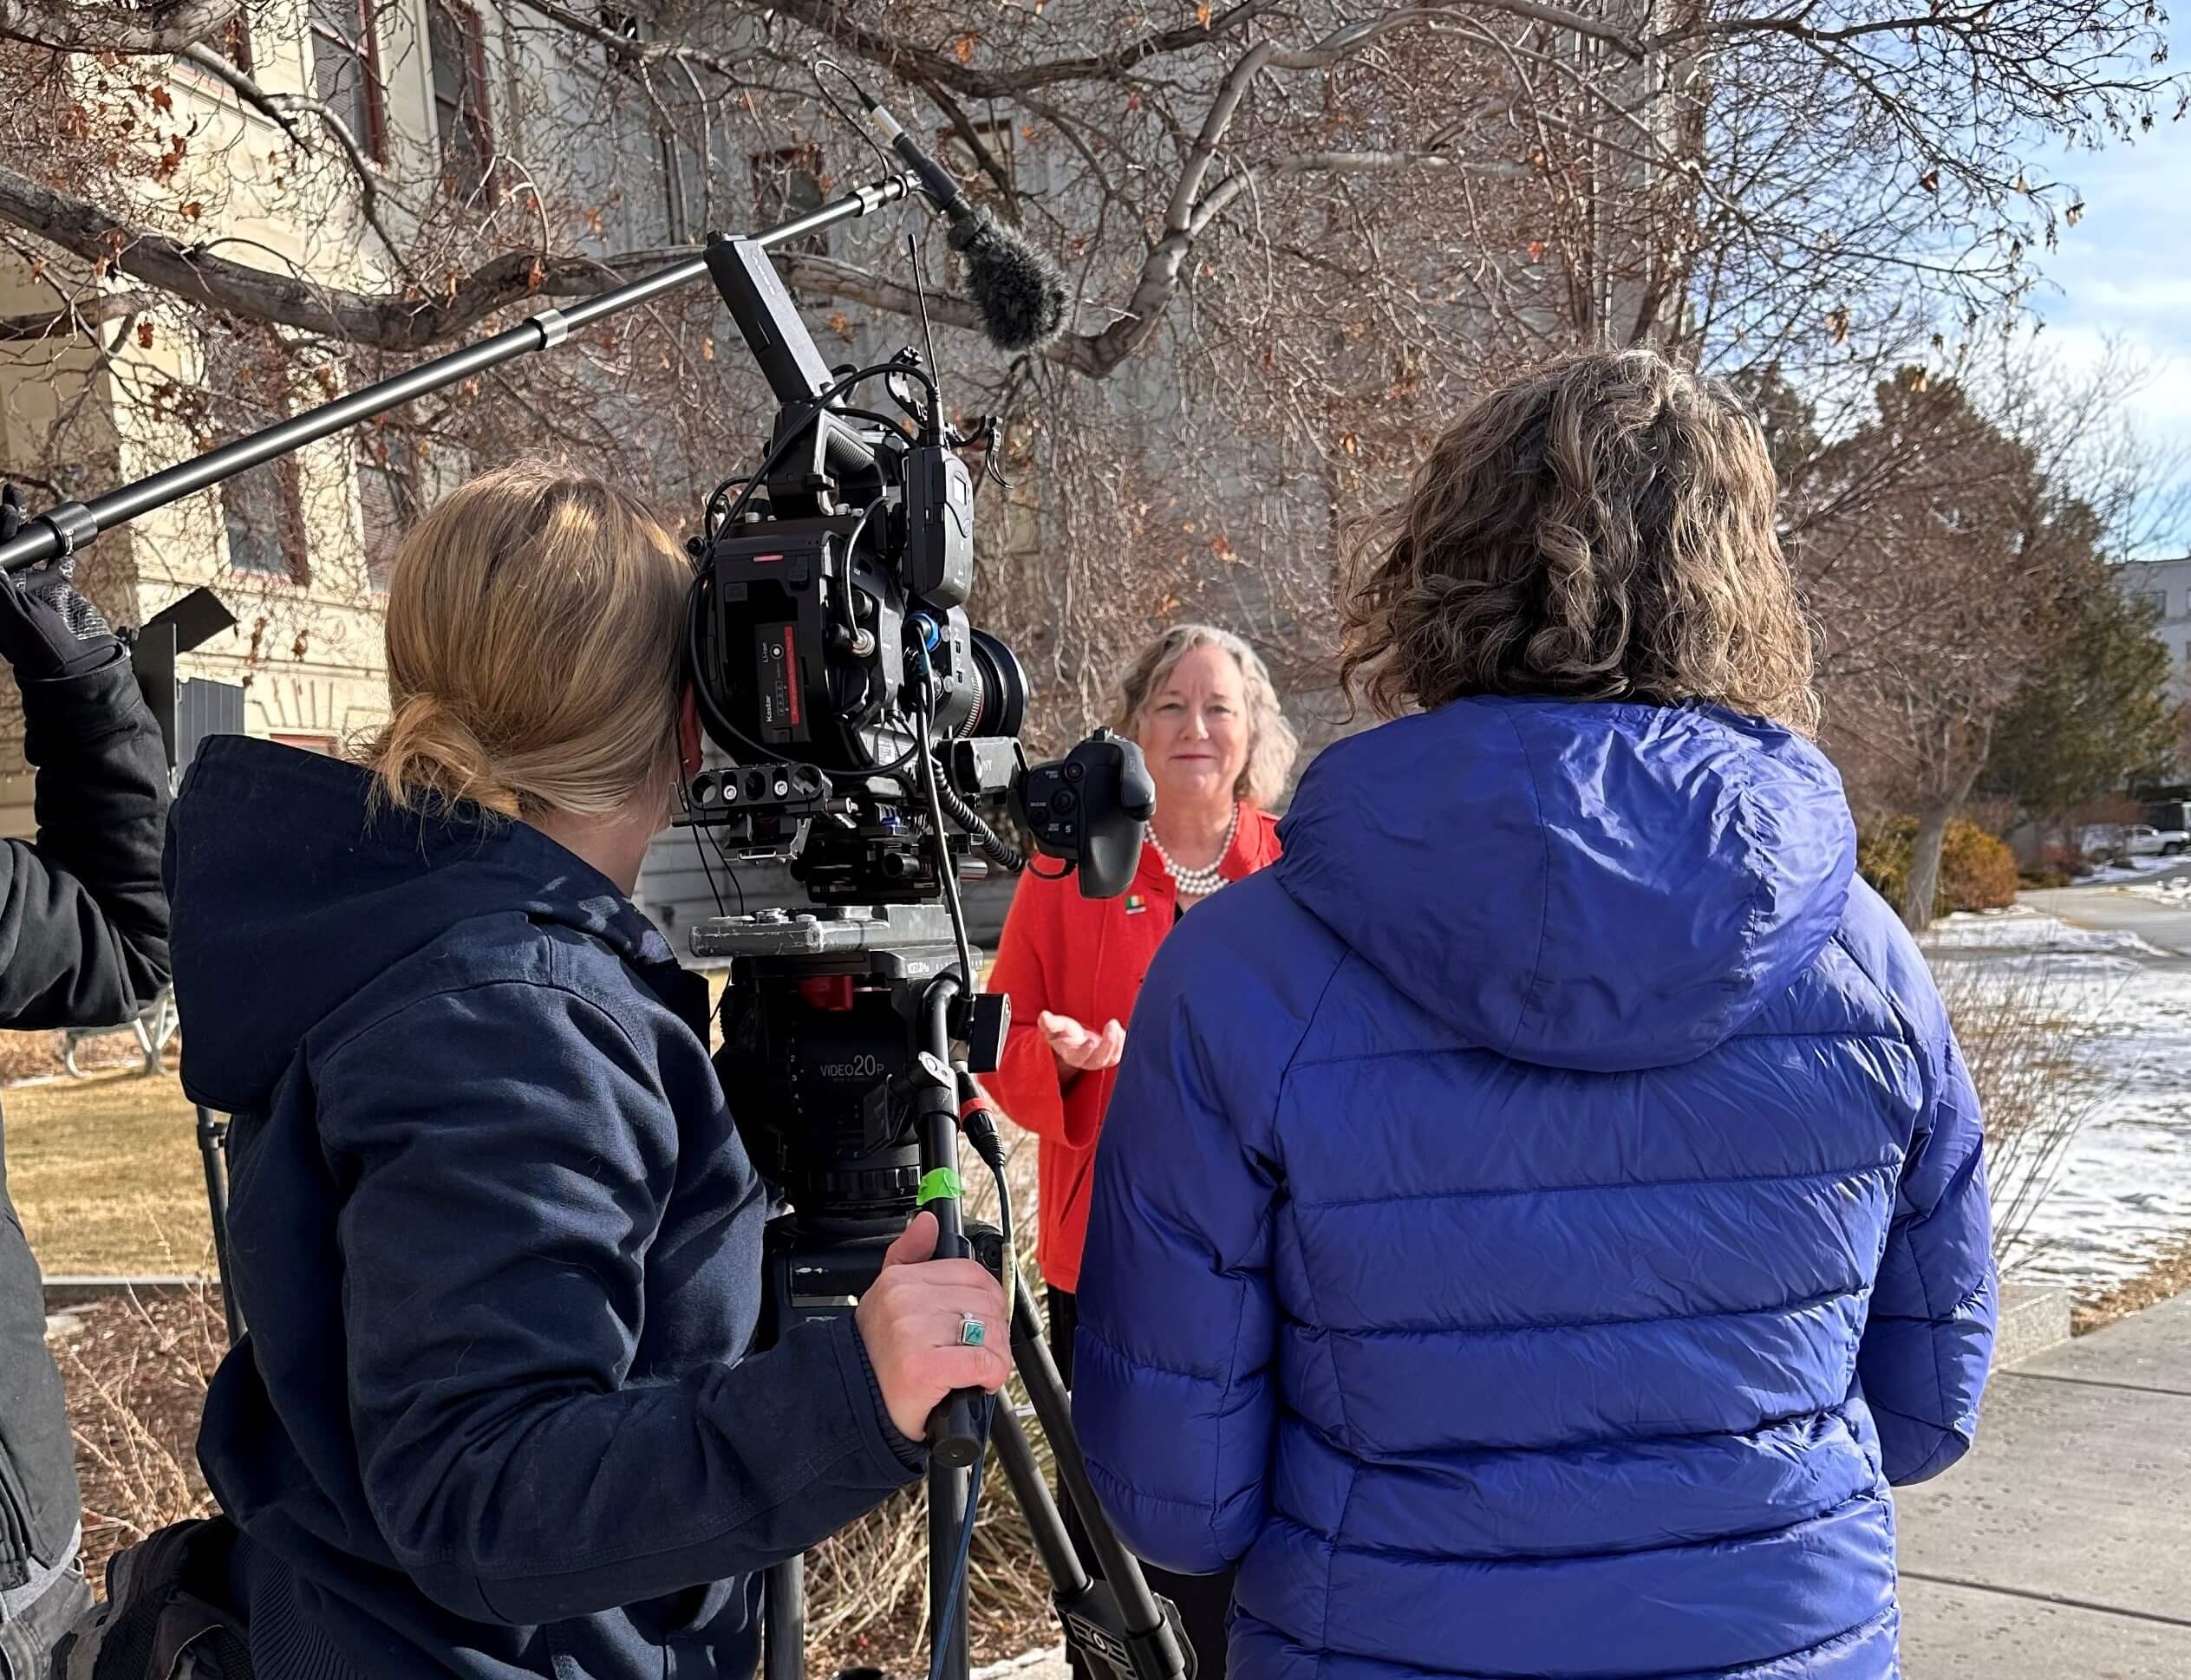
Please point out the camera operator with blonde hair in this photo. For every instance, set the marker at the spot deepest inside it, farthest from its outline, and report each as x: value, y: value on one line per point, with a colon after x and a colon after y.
x: 493, y: 1230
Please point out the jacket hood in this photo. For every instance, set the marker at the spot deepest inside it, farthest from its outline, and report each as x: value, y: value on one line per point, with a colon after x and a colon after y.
x: 292, y: 894
x: 1578, y: 885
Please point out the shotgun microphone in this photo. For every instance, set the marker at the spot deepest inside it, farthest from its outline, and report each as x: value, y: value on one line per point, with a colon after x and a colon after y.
x: 1020, y: 292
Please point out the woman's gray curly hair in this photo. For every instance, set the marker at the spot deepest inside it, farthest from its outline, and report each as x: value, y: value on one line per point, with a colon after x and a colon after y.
x: 1604, y: 528
x: 1272, y: 744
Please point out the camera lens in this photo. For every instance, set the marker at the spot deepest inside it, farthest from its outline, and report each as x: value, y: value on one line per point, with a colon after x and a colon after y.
x: 1001, y: 707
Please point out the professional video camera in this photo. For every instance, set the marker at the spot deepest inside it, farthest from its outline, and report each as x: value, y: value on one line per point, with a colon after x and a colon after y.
x: 829, y: 637
x: 872, y: 731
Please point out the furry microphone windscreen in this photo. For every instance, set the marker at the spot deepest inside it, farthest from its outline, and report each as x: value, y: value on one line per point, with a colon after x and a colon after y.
x: 1020, y: 292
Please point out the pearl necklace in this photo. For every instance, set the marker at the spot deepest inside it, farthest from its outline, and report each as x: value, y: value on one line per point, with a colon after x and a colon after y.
x: 1198, y: 883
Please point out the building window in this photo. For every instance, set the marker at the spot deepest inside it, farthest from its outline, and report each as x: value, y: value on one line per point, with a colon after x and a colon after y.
x: 263, y: 512
x: 346, y: 70
x: 676, y: 228
x: 262, y: 508
x: 458, y: 46
x: 388, y: 495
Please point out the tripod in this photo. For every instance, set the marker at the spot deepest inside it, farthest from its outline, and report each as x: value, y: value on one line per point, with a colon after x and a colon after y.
x: 817, y: 1265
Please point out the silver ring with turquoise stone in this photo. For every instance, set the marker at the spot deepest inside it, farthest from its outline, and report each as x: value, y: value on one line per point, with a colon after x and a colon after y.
x: 972, y: 1332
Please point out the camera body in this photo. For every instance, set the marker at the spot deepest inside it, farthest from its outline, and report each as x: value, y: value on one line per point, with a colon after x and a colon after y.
x: 830, y: 635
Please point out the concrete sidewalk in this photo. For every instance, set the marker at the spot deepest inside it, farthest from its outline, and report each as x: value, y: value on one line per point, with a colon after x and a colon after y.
x: 2062, y: 1545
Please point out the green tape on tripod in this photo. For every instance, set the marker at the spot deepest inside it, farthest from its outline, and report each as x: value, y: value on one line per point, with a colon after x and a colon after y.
x: 941, y: 1185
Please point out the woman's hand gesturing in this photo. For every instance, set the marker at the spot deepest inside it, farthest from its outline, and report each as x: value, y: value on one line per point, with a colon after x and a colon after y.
x: 1078, y: 1048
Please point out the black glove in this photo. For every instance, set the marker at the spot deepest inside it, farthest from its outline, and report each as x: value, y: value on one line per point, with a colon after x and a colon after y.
x: 46, y: 629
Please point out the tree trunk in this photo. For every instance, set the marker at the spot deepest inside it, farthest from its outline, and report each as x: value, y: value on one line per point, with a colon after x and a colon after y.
x: 1924, y: 865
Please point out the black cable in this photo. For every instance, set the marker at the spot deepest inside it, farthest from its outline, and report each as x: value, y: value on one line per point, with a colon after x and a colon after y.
x: 946, y: 1615
x: 821, y: 403
x: 849, y: 121
x: 852, y: 550
x: 714, y: 501
x: 998, y: 850
x: 684, y: 800
x: 881, y: 420
x: 947, y: 876
x: 707, y: 870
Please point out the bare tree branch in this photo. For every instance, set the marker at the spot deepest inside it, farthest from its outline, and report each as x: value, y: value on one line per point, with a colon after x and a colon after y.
x: 828, y: 19
x: 385, y: 322
x: 68, y: 28
x: 78, y: 314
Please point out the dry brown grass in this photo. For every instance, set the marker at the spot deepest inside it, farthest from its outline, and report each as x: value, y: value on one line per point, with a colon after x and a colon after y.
x: 105, y: 1172
x: 28, y: 1056
x: 2167, y: 1274
x: 136, y: 1372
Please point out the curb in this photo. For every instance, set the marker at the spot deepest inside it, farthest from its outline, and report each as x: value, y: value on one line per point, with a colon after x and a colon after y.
x: 2034, y: 1319
x: 1019, y: 1664
x: 62, y: 1293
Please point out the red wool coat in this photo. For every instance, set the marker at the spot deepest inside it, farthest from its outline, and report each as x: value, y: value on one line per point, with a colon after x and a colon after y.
x: 1084, y: 958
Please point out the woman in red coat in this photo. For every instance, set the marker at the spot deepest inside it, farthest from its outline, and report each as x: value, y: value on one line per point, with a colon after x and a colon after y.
x: 1203, y: 709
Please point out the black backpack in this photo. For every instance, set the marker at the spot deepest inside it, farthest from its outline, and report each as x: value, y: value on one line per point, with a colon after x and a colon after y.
x: 166, y: 1615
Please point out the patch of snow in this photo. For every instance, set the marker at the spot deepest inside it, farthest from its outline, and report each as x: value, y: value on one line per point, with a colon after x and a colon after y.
x: 2131, y: 868
x: 2123, y: 1187
x: 2025, y: 931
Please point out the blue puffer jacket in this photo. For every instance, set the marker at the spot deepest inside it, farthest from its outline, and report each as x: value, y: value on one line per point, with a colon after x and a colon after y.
x: 1537, y: 1220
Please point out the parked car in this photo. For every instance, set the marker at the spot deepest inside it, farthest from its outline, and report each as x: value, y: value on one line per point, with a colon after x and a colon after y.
x: 2113, y: 842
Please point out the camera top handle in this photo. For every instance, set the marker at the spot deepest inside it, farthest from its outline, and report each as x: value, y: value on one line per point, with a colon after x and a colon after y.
x: 62, y: 531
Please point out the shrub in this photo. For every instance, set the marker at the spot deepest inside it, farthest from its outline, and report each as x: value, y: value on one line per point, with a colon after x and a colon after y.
x: 1977, y: 869
x: 2028, y: 1033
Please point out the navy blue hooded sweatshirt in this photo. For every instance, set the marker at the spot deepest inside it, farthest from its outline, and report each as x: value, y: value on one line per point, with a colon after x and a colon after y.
x: 499, y: 1248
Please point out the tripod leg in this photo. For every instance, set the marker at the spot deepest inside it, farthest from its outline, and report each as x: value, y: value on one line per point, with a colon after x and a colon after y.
x: 1059, y: 1561
x: 784, y: 1621
x: 946, y: 1491
x: 1156, y: 1650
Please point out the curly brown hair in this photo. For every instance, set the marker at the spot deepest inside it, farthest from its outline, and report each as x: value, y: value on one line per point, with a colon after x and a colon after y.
x: 1602, y: 529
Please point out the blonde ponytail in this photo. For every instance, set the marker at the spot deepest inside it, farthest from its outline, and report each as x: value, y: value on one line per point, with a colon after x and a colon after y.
x: 533, y: 648
x: 423, y: 749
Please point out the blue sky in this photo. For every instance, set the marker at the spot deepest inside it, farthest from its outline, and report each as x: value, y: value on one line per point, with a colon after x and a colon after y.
x: 2123, y: 273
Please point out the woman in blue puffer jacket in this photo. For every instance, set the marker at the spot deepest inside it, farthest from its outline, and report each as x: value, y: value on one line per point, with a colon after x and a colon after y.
x: 1540, y: 1218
